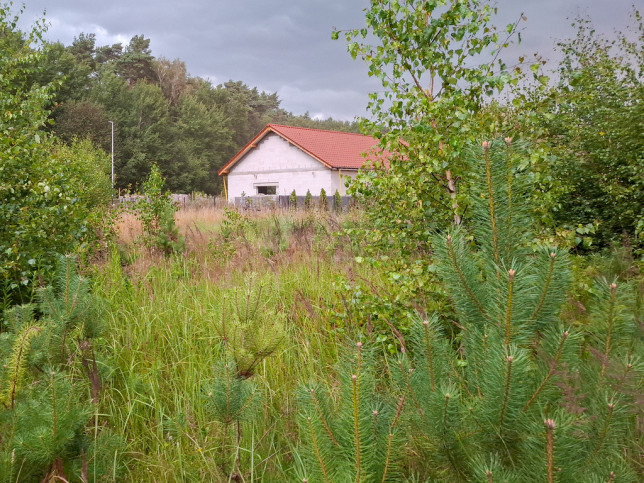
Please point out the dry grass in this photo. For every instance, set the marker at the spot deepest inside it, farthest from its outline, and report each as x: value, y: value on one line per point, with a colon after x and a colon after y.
x: 128, y: 228
x: 269, y: 240
x: 202, y: 218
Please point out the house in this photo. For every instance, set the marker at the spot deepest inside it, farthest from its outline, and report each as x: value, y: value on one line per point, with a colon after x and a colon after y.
x: 281, y: 159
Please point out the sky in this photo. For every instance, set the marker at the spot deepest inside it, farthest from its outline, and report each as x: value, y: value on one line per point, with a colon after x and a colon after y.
x: 285, y: 46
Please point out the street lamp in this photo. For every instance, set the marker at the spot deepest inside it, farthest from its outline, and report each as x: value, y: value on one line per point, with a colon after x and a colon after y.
x: 112, y: 123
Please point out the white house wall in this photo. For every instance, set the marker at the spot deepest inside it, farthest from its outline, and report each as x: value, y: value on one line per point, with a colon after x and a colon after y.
x: 276, y: 162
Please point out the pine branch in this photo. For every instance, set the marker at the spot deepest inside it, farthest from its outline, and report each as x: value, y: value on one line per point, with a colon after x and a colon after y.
x: 506, y: 390
x: 508, y: 311
x: 461, y: 277
x: 550, y: 449
x: 17, y: 363
x: 390, y: 437
x: 320, y: 415
x: 429, y: 355
x: 491, y: 202
x: 610, y: 326
x: 318, y: 454
x: 551, y: 372
x: 604, y: 431
x: 544, y: 291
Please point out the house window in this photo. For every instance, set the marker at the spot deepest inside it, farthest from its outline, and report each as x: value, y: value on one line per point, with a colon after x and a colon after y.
x: 267, y: 189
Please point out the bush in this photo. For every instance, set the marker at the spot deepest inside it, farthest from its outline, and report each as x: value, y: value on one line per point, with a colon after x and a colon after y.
x: 156, y: 211
x: 323, y: 203
x: 308, y: 200
x: 49, y: 193
x: 337, y: 201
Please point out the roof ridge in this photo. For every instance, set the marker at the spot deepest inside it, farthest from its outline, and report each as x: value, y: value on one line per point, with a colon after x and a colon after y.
x: 316, y: 129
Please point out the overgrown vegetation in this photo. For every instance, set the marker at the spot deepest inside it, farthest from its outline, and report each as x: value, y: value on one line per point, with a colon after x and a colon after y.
x: 52, y: 380
x: 458, y: 334
x: 51, y: 195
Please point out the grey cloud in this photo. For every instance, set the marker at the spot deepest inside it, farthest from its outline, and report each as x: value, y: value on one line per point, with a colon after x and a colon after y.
x: 284, y: 46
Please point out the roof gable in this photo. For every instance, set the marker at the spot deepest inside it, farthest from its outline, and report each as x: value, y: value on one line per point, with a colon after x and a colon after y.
x: 334, y: 149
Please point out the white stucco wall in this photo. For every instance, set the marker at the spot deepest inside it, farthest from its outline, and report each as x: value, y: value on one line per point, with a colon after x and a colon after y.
x: 276, y: 162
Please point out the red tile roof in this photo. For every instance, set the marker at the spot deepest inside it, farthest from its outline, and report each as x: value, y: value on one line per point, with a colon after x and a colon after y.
x: 334, y: 149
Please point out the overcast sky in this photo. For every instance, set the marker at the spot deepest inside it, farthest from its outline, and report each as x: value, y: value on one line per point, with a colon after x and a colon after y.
x: 285, y: 46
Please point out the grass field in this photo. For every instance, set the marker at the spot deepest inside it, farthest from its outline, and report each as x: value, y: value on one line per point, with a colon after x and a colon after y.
x: 168, y: 333
x: 206, y: 353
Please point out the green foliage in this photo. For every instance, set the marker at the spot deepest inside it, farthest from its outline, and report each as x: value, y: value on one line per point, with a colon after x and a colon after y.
x: 45, y: 404
x: 323, y: 203
x: 50, y: 196
x: 591, y: 123
x: 83, y: 120
x: 250, y: 330
x: 337, y: 202
x: 356, y: 439
x: 536, y: 391
x: 292, y: 200
x: 437, y: 61
x: 512, y: 393
x: 231, y: 400
x: 156, y: 211
x: 308, y: 200
x: 161, y: 114
x: 250, y: 333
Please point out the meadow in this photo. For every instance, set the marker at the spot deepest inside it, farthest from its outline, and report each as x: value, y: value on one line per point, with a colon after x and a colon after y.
x: 244, y: 358
x: 166, y: 336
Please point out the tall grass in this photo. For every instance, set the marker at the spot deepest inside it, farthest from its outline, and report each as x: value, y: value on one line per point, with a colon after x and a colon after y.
x: 164, y: 339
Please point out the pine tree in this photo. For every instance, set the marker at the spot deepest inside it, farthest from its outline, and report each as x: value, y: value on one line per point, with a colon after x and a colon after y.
x: 292, y: 200
x: 231, y: 399
x: 515, y: 395
x: 250, y: 333
x: 308, y: 200
x: 337, y: 202
x: 501, y: 389
x: 356, y: 439
x: 156, y: 212
x: 323, y: 203
x: 44, y: 404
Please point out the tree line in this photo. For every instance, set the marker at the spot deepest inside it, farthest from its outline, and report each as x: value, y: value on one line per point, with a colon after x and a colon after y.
x: 162, y: 114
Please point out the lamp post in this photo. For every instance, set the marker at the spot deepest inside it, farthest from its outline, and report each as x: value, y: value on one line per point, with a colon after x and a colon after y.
x: 112, y: 123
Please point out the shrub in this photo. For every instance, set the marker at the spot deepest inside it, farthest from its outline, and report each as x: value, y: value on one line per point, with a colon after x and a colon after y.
x: 50, y: 385
x: 337, y: 201
x: 323, y: 203
x: 308, y: 200
x: 50, y: 194
x: 156, y: 211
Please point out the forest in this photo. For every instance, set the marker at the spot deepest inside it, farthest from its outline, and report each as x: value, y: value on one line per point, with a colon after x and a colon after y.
x: 475, y: 315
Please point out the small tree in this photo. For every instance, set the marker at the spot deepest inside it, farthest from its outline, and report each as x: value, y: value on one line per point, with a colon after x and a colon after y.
x: 437, y: 61
x: 355, y: 439
x: 250, y: 333
x: 292, y: 200
x: 502, y: 389
x: 156, y: 211
x: 44, y: 404
x: 337, y: 201
x: 323, y: 203
x: 308, y: 200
